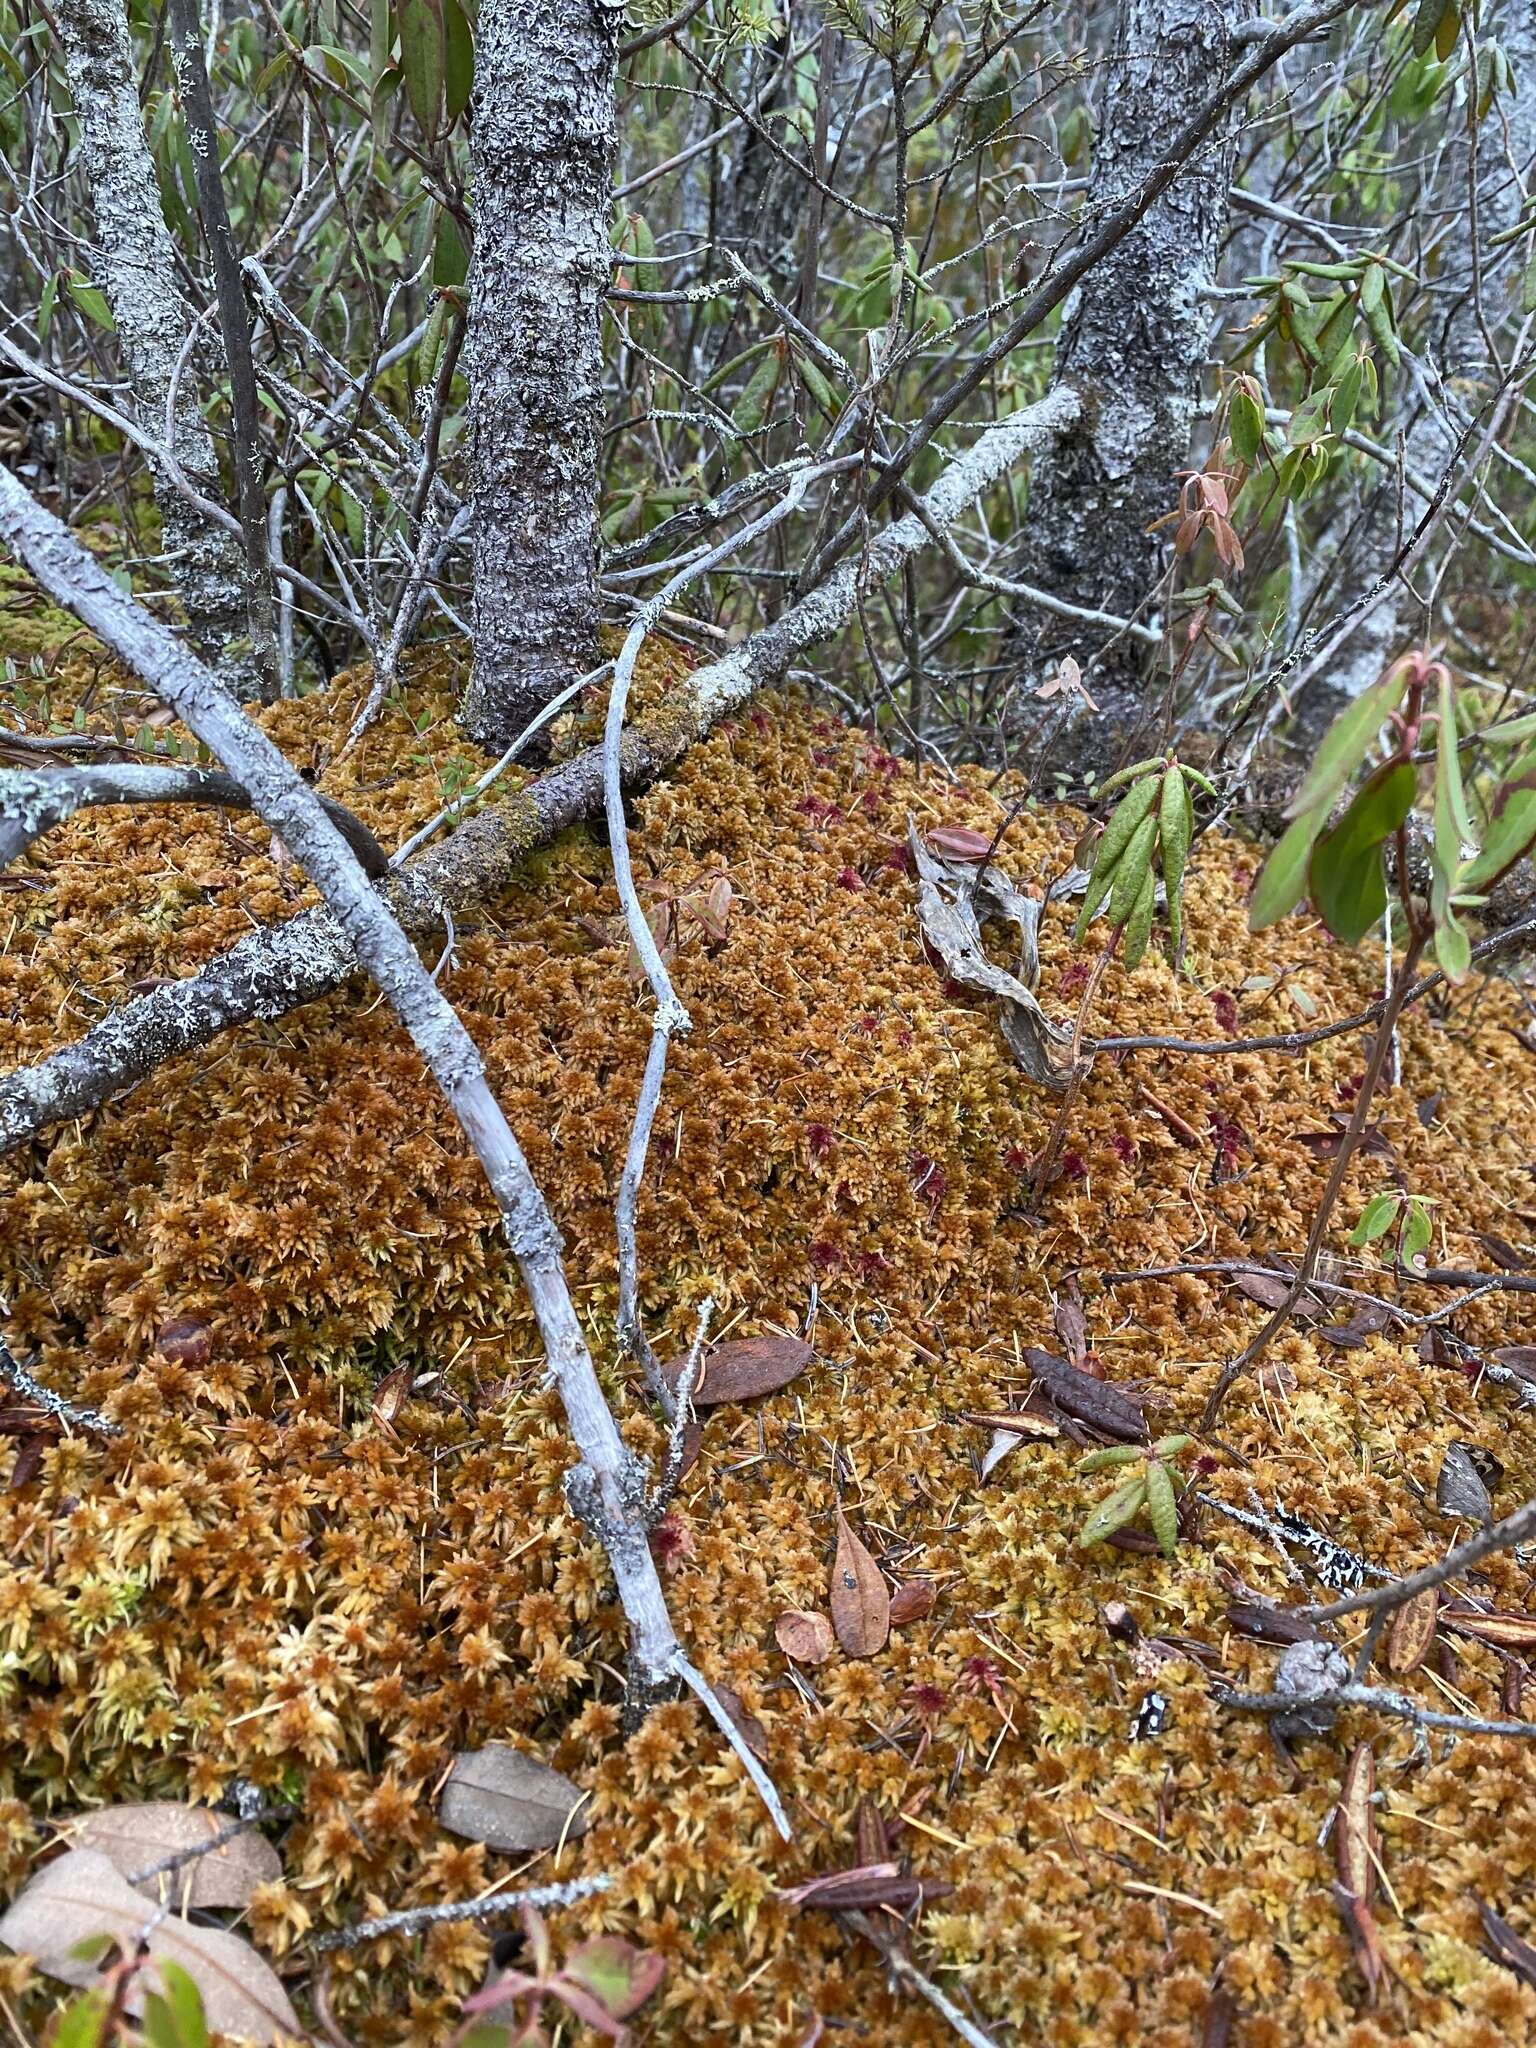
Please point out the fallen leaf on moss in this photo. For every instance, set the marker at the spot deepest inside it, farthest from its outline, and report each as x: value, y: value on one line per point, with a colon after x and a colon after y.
x: 509, y: 1800
x: 745, y: 1368
x: 1355, y: 1829
x: 1413, y: 1632
x: 804, y: 1637
x: 82, y: 1896
x: 1507, y: 1631
x: 391, y: 1395
x: 184, y: 1341
x: 911, y: 1602
x: 1459, y: 1489
x: 1071, y: 1324
x: 1104, y: 1407
x: 743, y: 1720
x: 860, y: 1598
x: 134, y: 1837
x: 1507, y: 1947
x: 958, y: 842
x: 874, y: 1884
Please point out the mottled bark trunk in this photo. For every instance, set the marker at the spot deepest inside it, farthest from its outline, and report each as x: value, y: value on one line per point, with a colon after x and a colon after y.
x: 1468, y: 270
x: 542, y: 166
x: 137, y: 271
x: 1133, y: 345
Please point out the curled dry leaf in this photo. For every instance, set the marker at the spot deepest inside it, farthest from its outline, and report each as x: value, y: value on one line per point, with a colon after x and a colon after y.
x: 1103, y: 1406
x: 510, y: 1801
x: 1505, y: 1631
x: 82, y: 1897
x: 133, y: 1838
x: 1459, y: 1489
x: 803, y: 1636
x: 1413, y: 1632
x: 743, y: 1720
x: 947, y: 911
x: 744, y: 1368
x: 860, y: 1599
x: 391, y: 1394
x: 911, y: 1602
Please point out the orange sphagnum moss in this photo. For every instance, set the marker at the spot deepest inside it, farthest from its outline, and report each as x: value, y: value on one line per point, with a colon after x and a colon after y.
x: 258, y: 1580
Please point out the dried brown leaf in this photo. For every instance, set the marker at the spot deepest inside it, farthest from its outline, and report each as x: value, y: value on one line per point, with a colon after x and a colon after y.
x: 1459, y: 1488
x: 509, y: 1800
x: 1355, y: 1830
x: 805, y: 1637
x: 1413, y: 1632
x: 860, y: 1600
x: 1265, y: 1623
x: 391, y: 1394
x: 1072, y: 1325
x: 81, y: 1896
x: 958, y: 842
x: 869, y: 1833
x: 134, y: 1837
x: 1103, y: 1406
x: 743, y: 1720
x: 876, y: 1884
x: 185, y: 1341
x: 1506, y: 1631
x: 744, y: 1368
x: 911, y: 1602
x: 1507, y: 1947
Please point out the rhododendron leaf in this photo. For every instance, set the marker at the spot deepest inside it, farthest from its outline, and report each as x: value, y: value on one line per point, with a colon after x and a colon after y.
x: 1345, y: 875
x: 1162, y: 1507
x: 1122, y: 1506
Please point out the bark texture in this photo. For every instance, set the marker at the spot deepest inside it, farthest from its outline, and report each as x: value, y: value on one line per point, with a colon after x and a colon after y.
x: 1133, y: 346
x: 1468, y: 270
x: 136, y: 269
x: 542, y: 166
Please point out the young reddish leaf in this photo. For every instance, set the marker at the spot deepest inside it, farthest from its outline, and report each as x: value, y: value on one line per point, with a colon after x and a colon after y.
x: 860, y: 1599
x: 744, y: 1368
x: 804, y: 1637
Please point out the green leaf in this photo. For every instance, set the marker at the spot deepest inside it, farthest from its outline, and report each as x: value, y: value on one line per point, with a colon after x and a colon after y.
x: 1122, y: 1506
x: 458, y: 60
x: 174, y: 2017
x: 1283, y: 880
x: 1373, y: 281
x: 1347, y: 742
x: 423, y: 52
x: 1176, y: 828
x: 1446, y: 32
x: 92, y: 303
x: 1453, y: 948
x: 1162, y: 1508
x: 1131, y: 870
x: 1376, y: 1219
x: 1453, y: 824
x: 84, y: 2024
x: 1344, y: 877
x: 450, y: 258
x: 1115, y: 1454
x: 748, y: 411
x: 1246, y: 423
x: 1512, y: 831
x: 1426, y: 20
x: 1138, y: 926
x: 1417, y: 1232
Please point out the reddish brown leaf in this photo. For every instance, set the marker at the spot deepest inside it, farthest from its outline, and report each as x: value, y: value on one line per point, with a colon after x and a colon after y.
x: 1072, y: 1325
x: 1508, y: 1631
x: 860, y: 1599
x: 869, y: 1833
x: 1272, y: 1292
x: 1219, y: 2016
x: 1412, y: 1632
x: 29, y: 1461
x: 1502, y: 1252
x: 743, y: 1720
x: 804, y: 1637
x: 185, y: 1341
x: 1266, y: 1624
x: 1104, y: 1407
x: 911, y: 1602
x: 959, y: 842
x: 745, y: 1367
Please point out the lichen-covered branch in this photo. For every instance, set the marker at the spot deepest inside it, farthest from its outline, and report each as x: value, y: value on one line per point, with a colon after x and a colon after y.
x: 607, y: 1486
x: 275, y: 971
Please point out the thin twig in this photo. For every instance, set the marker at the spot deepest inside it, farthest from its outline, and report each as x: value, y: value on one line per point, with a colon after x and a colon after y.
x: 414, y: 1918
x: 61, y: 1410
x: 901, y: 1965
x: 1382, y: 1698
x: 1518, y: 1524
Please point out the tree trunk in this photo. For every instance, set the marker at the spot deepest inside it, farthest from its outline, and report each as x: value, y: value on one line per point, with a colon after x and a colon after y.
x: 542, y: 153
x: 1133, y: 345
x: 1456, y: 347
x: 137, y: 271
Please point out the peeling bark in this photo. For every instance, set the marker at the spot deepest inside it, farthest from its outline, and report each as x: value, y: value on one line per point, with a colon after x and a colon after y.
x: 542, y: 150
x: 137, y: 271
x: 1133, y: 346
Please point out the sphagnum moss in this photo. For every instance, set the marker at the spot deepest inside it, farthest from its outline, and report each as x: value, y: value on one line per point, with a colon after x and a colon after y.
x: 259, y: 1580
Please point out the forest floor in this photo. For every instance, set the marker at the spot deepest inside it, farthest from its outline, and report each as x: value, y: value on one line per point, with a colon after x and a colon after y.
x: 276, y: 1575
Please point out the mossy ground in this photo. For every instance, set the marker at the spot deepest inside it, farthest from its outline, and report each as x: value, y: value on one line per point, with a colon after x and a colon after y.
x: 259, y: 1580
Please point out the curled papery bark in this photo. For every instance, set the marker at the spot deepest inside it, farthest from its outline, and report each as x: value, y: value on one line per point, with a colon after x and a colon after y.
x: 137, y: 271
x: 275, y: 971
x: 607, y: 1486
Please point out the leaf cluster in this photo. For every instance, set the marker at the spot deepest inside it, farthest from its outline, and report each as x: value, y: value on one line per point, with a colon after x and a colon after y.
x: 1148, y: 1486
x: 1149, y: 833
